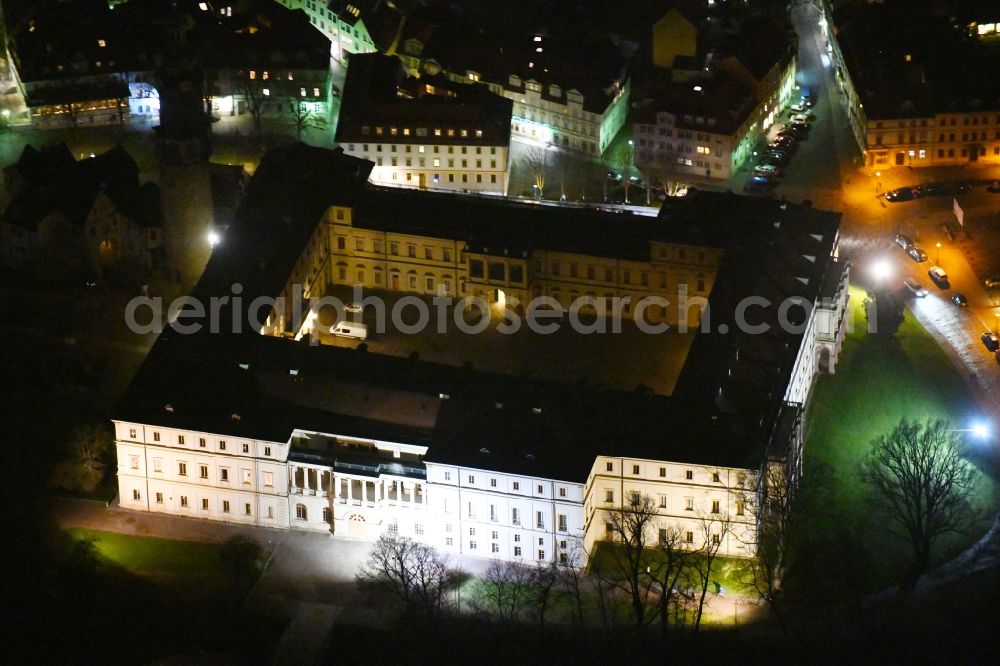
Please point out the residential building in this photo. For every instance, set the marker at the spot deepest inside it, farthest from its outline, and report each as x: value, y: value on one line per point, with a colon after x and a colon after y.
x: 257, y: 58
x: 425, y: 133
x: 703, y: 110
x: 926, y: 104
x: 345, y: 24
x: 85, y: 217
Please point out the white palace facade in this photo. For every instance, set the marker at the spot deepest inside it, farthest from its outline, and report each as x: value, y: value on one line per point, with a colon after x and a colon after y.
x: 253, y: 427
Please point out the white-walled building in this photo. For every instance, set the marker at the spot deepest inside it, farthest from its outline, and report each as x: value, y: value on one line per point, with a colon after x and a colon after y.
x: 424, y: 133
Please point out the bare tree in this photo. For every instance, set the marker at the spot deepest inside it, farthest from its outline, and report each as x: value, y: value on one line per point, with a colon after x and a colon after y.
x: 505, y: 587
x: 253, y: 95
x: 920, y: 480
x: 543, y: 582
x: 536, y: 160
x: 626, y: 557
x: 389, y: 567
x: 714, y: 528
x: 668, y: 178
x: 571, y: 580
x: 90, y: 447
x: 670, y: 562
x: 623, y: 158
x: 770, y: 505
x: 432, y: 578
x: 302, y: 116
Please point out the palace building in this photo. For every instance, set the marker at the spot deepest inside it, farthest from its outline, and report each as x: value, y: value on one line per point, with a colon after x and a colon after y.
x: 250, y: 425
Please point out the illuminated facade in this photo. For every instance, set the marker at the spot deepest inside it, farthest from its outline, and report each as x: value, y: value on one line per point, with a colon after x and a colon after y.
x: 454, y: 167
x: 346, y: 30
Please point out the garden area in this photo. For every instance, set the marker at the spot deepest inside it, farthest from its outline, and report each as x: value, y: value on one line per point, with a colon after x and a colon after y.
x: 842, y: 548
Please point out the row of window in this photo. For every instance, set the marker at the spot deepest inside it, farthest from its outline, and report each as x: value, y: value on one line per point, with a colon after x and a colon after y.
x: 202, y: 442
x: 609, y: 274
x: 225, y: 506
x: 662, y: 537
x: 515, y: 517
x: 634, y: 498
x: 436, y: 162
x: 436, y: 178
x: 366, y: 130
x: 515, y: 485
x: 741, y: 478
x: 463, y: 150
x: 267, y: 478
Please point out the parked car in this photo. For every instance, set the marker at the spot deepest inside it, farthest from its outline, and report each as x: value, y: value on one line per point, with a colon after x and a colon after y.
x: 800, y: 118
x: 934, y: 190
x: 346, y: 329
x: 903, y: 241
x: 799, y: 108
x: 353, y: 307
x: 776, y: 158
x: 917, y: 254
x: 939, y: 277
x: 799, y: 130
x: 766, y: 170
x: 915, y: 287
x: 959, y: 300
x: 614, y: 177
x: 758, y: 184
x: 900, y: 194
x: 783, y: 142
x: 780, y: 154
x: 990, y: 341
x: 992, y: 282
x: 993, y: 187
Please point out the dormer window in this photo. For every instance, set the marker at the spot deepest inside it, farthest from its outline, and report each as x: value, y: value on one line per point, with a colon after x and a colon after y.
x: 555, y: 91
x: 515, y: 81
x: 473, y: 76
x: 534, y: 86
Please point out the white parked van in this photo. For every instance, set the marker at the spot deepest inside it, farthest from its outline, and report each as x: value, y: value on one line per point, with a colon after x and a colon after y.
x: 348, y: 329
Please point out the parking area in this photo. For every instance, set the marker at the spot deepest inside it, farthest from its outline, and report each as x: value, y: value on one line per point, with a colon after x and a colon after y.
x: 599, y: 359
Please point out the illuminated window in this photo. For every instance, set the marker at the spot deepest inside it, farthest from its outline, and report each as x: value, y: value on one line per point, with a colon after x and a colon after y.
x: 265, y: 76
x: 266, y: 91
x: 136, y: 496
x: 437, y: 132
x: 479, y: 133
x: 451, y: 132
x: 406, y: 131
x: 268, y: 479
x: 302, y: 92
x: 101, y: 43
x: 315, y: 92
x: 290, y: 77
x: 689, y: 504
x: 133, y: 462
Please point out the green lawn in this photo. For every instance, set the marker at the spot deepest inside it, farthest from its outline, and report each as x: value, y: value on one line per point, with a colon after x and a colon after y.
x: 153, y: 555
x: 879, y: 380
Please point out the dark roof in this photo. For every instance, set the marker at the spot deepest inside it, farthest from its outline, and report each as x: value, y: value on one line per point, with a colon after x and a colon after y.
x: 945, y: 68
x: 723, y: 98
x: 543, y: 428
x: 51, y: 183
x: 143, y: 35
x: 786, y: 254
x: 374, y: 97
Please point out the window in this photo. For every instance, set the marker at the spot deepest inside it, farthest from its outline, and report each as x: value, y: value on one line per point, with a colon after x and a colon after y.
x: 689, y: 537
x: 541, y: 554
x: 224, y: 474
x: 517, y: 485
x: 609, y: 496
x: 493, y: 483
x: 471, y: 510
x: 663, y: 501
x: 541, y: 489
x: 472, y: 544
x: 203, y: 471
x: 246, y: 477
x: 418, y: 528
x: 635, y: 469
x: 493, y: 512
x: 715, y: 540
x: 688, y: 474
x: 472, y: 479
x: 393, y: 528
x: 136, y: 496
x: 267, y: 450
x: 715, y: 477
x: 184, y: 501
x: 517, y: 551
x: 131, y: 433
x: 204, y: 504
x: 740, y: 507
x: 268, y: 479
x: 182, y: 469
x: 715, y: 506
x: 494, y: 548
x: 201, y: 442
x: 689, y: 504
x: 540, y: 520
x: 156, y: 436
x: 663, y: 472
x: 157, y: 464
x: 515, y: 517
x: 562, y: 522
x: 180, y: 439
x: 449, y: 541
x: 447, y: 476
x: 634, y: 498
x: 133, y: 462
x: 300, y: 511
x: 222, y: 445
x: 225, y: 506
x: 562, y: 492
x: 246, y: 448
x: 246, y: 508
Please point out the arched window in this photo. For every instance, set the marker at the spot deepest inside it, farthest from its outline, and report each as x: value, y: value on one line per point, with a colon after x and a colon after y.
x: 327, y: 515
x: 300, y: 512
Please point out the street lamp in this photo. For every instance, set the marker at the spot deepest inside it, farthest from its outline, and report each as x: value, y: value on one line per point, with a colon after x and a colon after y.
x: 878, y: 183
x: 881, y: 271
x: 937, y: 255
x: 213, y: 239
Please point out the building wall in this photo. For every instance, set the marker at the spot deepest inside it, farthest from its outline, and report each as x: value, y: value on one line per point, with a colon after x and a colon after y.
x: 455, y: 168
x: 343, y: 38
x: 438, y: 266
x: 512, y: 517
x: 685, y: 496
x: 202, y: 475
x: 673, y: 35
x: 945, y: 139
